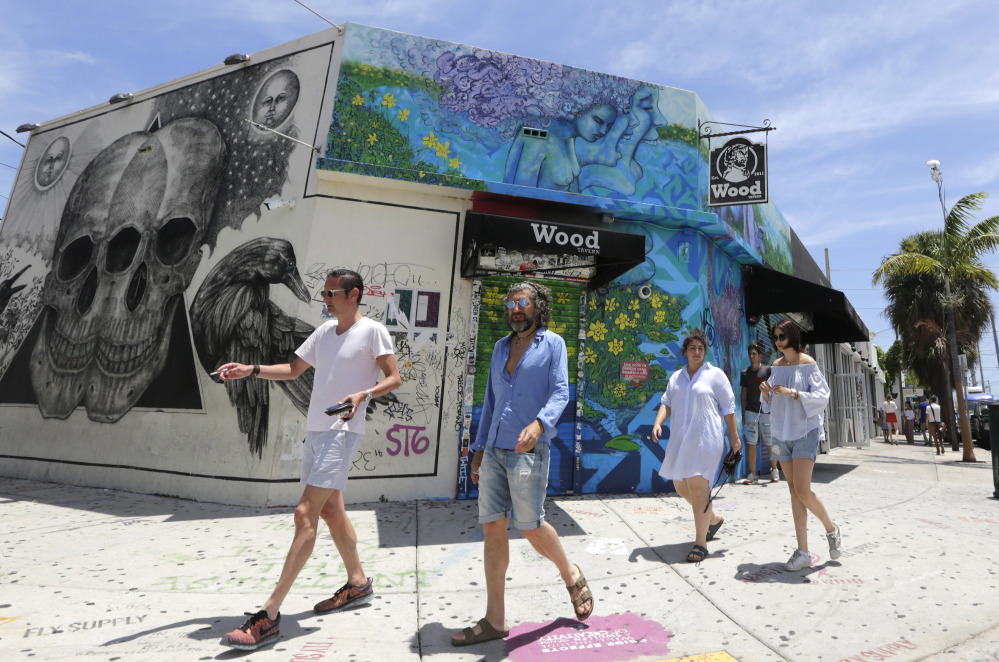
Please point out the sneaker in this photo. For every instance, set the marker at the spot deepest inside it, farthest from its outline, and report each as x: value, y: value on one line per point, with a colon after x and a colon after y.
x: 798, y: 561
x: 750, y: 479
x: 774, y: 475
x: 257, y: 631
x: 347, y: 596
x: 835, y: 543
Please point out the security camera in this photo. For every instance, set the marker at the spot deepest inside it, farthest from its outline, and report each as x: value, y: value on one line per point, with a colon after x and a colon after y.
x: 275, y: 204
x: 644, y: 292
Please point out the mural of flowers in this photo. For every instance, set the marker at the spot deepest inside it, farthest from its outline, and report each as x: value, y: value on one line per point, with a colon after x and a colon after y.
x: 626, y: 323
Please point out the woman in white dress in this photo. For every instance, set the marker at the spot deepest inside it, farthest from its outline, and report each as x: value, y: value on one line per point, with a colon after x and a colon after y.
x: 697, y: 398
x: 798, y: 395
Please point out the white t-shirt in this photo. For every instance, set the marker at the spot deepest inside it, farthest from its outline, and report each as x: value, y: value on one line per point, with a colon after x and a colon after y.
x: 344, y: 364
x: 890, y: 407
x: 933, y: 413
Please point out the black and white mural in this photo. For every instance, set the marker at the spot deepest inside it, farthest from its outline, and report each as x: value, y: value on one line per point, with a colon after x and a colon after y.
x: 110, y: 220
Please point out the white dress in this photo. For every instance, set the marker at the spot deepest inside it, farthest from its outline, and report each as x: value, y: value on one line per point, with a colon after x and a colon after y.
x: 792, y: 419
x: 697, y: 429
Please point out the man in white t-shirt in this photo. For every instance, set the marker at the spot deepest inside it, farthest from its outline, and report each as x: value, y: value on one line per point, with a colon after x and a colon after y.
x: 933, y: 422
x: 347, y: 354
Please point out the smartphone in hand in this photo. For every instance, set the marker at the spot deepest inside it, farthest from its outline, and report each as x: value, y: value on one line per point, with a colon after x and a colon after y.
x: 340, y: 409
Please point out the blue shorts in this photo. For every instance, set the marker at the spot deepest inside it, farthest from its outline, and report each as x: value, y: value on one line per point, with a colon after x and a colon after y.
x: 806, y: 448
x: 327, y: 457
x: 514, y: 485
x: 757, y: 426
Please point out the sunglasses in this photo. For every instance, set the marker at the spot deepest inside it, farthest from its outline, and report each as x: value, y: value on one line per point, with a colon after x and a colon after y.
x: 330, y: 293
x: 523, y: 303
x: 780, y: 336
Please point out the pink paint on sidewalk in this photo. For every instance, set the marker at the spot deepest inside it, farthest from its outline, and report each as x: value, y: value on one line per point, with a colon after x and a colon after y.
x: 617, y: 637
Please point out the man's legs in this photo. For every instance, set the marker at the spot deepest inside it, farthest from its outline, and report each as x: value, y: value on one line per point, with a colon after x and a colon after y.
x: 752, y: 429
x: 334, y: 513
x: 545, y: 540
x: 306, y: 527
x: 496, y: 557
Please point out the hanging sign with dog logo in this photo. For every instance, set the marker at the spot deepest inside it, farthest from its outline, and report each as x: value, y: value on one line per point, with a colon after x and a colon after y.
x: 738, y: 173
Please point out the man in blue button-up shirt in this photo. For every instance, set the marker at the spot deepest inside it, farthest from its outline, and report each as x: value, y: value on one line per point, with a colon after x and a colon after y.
x: 527, y: 390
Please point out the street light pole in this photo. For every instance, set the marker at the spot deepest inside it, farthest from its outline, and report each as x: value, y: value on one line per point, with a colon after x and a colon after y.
x: 969, y: 454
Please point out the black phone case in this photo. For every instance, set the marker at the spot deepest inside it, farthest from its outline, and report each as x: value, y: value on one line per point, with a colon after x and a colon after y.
x: 340, y: 409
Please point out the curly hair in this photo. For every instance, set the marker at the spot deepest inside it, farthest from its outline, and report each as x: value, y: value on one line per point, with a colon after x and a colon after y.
x: 541, y: 297
x: 695, y: 335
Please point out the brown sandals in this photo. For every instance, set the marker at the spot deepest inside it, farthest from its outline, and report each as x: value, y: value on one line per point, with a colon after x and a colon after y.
x: 584, y: 595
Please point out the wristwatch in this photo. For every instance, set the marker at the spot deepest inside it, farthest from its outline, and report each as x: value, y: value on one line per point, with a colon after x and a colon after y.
x: 371, y: 396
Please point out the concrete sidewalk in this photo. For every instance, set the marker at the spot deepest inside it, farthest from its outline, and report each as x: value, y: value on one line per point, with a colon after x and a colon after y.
x: 108, y: 575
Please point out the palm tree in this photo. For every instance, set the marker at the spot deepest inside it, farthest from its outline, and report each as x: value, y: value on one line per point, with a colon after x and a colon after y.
x: 916, y: 311
x: 956, y: 259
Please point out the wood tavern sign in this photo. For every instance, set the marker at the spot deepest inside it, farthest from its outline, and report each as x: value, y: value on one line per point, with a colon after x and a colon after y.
x: 738, y: 173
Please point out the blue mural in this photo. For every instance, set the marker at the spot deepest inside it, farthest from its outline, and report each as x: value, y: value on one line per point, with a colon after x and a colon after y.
x: 445, y: 114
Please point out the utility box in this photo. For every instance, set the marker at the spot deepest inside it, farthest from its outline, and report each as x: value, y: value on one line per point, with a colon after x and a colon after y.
x: 994, y: 438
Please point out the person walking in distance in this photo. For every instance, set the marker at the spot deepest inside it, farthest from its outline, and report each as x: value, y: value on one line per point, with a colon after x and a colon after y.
x: 922, y: 420
x: 933, y: 422
x: 347, y: 354
x: 798, y: 395
x: 908, y: 423
x: 701, y: 405
x: 526, y: 392
x: 756, y: 415
x: 890, y: 409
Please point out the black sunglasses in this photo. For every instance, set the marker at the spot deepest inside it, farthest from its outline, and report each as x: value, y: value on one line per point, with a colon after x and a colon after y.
x: 780, y: 336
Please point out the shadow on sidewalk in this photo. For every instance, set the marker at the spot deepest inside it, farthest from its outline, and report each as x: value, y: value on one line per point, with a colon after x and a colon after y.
x: 216, y: 626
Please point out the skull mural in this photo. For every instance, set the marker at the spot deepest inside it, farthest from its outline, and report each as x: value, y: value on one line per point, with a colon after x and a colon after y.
x: 128, y: 245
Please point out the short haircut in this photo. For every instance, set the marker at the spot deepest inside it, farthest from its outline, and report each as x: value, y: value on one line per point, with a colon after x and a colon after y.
x: 349, y: 280
x: 753, y: 346
x: 540, y: 296
x: 695, y: 335
x: 933, y: 398
x: 789, y: 329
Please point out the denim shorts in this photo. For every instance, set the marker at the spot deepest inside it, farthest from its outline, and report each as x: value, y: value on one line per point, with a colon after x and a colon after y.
x: 327, y: 457
x: 757, y: 426
x: 805, y: 448
x: 513, y: 485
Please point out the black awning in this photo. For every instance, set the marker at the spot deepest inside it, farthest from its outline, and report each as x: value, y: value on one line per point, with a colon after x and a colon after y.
x: 769, y: 291
x: 547, y: 249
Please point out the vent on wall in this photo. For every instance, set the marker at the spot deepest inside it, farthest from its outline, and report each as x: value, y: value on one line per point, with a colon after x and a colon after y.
x: 534, y: 133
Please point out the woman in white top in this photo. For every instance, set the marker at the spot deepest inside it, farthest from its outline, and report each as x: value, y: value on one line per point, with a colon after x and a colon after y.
x: 798, y: 395
x: 908, y: 423
x: 697, y: 398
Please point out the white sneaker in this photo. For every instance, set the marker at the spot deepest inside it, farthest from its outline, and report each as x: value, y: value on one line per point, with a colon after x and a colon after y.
x: 750, y: 479
x: 798, y: 561
x: 774, y: 475
x: 835, y: 543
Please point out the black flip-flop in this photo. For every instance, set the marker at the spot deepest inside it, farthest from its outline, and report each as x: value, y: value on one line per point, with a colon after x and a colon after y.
x: 713, y: 529
x: 697, y: 554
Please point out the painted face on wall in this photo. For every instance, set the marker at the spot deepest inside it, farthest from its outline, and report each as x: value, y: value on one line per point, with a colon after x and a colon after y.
x: 276, y: 99
x: 595, y: 122
x: 645, y: 115
x: 53, y: 163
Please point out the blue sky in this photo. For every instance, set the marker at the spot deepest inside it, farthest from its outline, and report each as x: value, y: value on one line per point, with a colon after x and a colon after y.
x: 862, y: 93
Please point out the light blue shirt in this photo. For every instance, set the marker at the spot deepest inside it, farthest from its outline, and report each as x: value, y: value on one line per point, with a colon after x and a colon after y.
x: 539, y: 389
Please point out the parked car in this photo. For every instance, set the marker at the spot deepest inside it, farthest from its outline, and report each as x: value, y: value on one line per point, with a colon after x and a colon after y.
x: 978, y: 418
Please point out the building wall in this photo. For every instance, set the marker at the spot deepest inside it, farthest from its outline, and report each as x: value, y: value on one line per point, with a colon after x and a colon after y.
x: 424, y: 110
x: 160, y: 238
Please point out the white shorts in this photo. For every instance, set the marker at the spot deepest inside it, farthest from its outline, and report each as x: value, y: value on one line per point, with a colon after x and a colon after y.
x: 327, y: 457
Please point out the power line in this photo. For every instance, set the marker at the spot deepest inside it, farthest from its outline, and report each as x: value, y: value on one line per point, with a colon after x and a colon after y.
x: 12, y: 140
